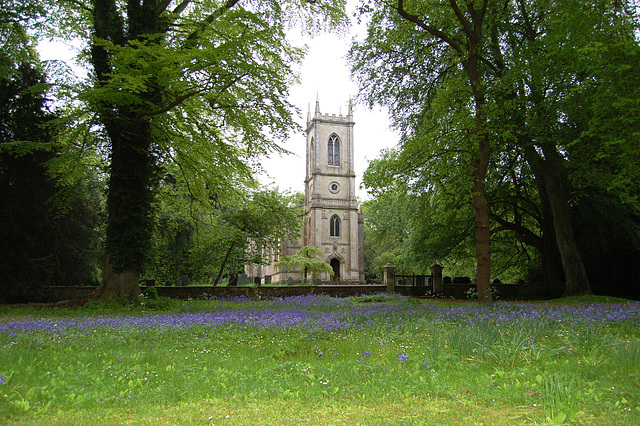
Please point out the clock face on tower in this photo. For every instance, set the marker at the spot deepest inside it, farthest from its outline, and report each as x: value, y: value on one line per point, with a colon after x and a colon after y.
x: 334, y: 187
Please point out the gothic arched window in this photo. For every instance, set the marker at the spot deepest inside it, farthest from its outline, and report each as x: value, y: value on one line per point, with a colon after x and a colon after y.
x: 334, y: 226
x: 333, y: 150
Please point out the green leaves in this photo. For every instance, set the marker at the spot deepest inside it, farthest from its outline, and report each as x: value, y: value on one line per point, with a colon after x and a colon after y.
x: 203, y: 85
x: 553, y: 86
x: 306, y: 261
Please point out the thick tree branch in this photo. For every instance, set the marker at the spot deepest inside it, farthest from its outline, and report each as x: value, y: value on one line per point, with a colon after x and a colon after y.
x: 228, y: 5
x: 430, y: 29
x: 466, y: 27
x: 168, y: 107
x: 162, y: 7
x: 523, y: 234
x: 181, y: 7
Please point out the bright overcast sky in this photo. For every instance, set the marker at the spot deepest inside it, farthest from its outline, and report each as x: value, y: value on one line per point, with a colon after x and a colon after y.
x: 325, y: 74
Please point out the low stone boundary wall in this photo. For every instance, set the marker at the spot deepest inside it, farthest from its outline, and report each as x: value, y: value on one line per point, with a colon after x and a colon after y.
x: 461, y: 291
x: 268, y: 291
x: 456, y: 291
x: 57, y: 294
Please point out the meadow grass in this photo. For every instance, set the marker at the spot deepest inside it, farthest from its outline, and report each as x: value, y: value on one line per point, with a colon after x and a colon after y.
x: 366, y: 360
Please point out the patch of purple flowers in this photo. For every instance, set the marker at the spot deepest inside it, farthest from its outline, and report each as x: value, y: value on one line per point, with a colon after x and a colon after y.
x: 325, y: 314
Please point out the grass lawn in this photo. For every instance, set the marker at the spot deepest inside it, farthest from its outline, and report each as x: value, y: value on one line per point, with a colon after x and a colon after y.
x: 366, y: 360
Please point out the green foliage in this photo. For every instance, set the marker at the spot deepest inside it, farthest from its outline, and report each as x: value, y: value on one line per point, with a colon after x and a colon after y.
x: 187, y: 84
x: 50, y: 230
x: 205, y: 240
x: 150, y: 293
x: 307, y: 261
x: 17, y: 19
x: 414, y: 228
x: 555, y: 91
x: 379, y: 298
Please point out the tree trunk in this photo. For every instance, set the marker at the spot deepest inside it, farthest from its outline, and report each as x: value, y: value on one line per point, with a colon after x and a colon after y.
x: 550, y: 261
x: 549, y: 169
x: 480, y: 165
x: 129, y: 206
x: 117, y: 284
x: 224, y: 263
x: 131, y: 180
x: 481, y: 221
x: 576, y: 279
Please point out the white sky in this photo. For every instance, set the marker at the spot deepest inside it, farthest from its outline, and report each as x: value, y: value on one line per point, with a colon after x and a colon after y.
x: 324, y: 73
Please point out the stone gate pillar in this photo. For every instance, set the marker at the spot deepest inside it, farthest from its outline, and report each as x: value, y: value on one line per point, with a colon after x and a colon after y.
x: 436, y: 274
x: 389, y: 277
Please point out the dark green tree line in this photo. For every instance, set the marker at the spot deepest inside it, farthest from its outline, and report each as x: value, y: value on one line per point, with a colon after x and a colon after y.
x: 535, y: 77
x: 49, y: 233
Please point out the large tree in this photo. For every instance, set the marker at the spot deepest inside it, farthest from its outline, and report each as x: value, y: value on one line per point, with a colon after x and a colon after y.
x: 530, y: 66
x: 542, y: 95
x: 203, y: 84
x: 441, y: 37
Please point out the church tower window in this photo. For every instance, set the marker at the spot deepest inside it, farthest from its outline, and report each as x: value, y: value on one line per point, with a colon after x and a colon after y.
x: 333, y: 150
x: 334, y: 226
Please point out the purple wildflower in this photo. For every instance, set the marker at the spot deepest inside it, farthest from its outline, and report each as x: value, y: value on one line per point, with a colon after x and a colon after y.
x: 402, y: 357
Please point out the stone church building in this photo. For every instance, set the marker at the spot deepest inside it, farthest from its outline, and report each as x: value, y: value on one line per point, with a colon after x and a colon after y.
x: 332, y: 221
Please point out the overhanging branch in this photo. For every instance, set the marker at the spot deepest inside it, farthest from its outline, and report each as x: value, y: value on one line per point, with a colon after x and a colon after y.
x: 228, y: 5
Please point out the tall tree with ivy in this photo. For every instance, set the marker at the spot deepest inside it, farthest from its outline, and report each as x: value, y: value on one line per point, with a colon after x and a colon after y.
x: 202, y: 84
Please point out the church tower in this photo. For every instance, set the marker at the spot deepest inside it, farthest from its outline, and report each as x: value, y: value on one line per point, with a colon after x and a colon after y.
x: 333, y: 223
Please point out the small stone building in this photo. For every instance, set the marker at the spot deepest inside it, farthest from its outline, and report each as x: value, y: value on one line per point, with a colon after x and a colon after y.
x: 332, y: 222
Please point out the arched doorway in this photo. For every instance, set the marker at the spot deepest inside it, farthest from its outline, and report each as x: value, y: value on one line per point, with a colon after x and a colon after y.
x: 335, y: 265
